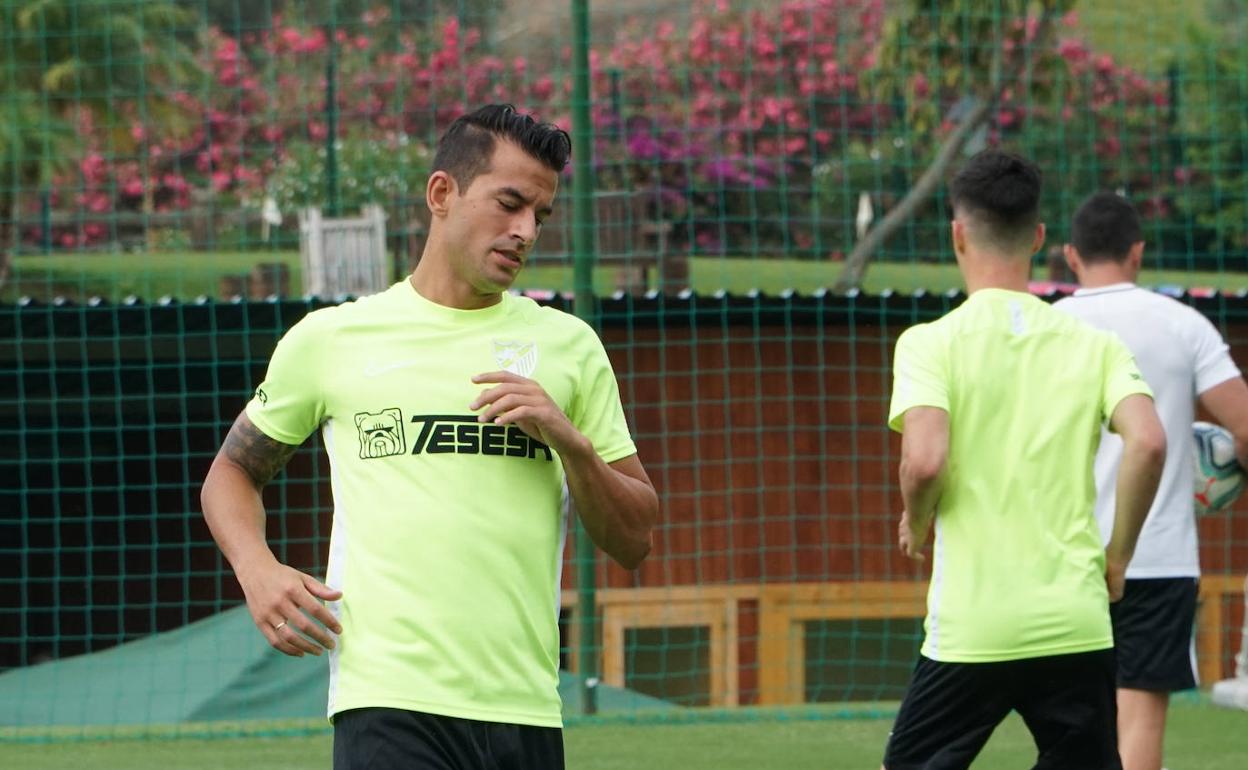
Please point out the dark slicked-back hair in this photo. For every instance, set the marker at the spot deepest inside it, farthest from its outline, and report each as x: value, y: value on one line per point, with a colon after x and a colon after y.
x: 1002, y: 191
x: 1105, y: 228
x: 464, y: 151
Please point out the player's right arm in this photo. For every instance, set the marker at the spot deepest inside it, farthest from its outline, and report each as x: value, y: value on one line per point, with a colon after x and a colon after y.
x: 919, y: 409
x: 924, y: 452
x: 287, y: 408
x: 1143, y: 457
x: 277, y: 595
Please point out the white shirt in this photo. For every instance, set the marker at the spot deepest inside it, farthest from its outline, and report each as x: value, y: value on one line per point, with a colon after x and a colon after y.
x: 1181, y: 355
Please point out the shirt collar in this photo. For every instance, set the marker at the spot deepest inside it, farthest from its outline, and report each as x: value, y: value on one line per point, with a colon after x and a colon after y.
x: 1110, y: 289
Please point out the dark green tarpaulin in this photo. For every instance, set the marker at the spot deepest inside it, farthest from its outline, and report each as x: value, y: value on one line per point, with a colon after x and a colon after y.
x: 219, y: 668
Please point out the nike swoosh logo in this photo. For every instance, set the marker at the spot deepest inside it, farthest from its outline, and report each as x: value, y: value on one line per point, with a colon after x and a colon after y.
x: 376, y: 370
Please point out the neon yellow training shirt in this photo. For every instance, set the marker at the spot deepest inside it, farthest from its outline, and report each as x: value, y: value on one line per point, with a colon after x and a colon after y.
x: 1018, y: 567
x: 447, y: 534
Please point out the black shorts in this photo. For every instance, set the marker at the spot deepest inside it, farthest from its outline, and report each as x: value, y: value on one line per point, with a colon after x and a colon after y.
x: 951, y: 709
x: 1153, y: 634
x: 394, y: 739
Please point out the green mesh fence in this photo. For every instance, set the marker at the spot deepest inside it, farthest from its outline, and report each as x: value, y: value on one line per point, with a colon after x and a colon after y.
x: 168, y: 148
x: 157, y: 159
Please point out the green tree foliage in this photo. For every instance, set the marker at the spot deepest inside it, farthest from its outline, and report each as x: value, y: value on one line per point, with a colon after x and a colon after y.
x: 1210, y: 182
x: 64, y: 57
x: 235, y: 18
x: 95, y: 52
x: 949, y: 66
x: 387, y: 170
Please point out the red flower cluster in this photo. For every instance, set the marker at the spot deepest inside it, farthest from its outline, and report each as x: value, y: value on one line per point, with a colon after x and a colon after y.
x: 734, y: 104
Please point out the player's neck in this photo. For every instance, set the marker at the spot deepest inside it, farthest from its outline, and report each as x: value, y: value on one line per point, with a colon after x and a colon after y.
x: 434, y: 280
x: 1108, y: 274
x: 989, y: 273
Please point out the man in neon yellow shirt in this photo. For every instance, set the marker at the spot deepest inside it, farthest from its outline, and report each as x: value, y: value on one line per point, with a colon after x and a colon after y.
x: 460, y: 422
x: 1000, y: 404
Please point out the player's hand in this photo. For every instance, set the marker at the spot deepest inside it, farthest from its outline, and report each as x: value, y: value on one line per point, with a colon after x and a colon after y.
x: 278, y: 598
x: 519, y: 401
x: 908, y: 540
x: 1115, y: 578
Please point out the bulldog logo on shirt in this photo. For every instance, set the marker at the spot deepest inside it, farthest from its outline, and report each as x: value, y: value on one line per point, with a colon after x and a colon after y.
x: 516, y: 356
x: 381, y: 434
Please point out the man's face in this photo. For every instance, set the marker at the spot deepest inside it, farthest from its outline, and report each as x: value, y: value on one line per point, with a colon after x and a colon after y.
x: 493, y: 225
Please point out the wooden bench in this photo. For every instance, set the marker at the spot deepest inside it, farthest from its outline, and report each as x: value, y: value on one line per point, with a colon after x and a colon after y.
x: 715, y: 607
x: 1210, y: 634
x: 783, y: 609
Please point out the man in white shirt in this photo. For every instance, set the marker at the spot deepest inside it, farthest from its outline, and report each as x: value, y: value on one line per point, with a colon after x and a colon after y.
x: 1184, y: 359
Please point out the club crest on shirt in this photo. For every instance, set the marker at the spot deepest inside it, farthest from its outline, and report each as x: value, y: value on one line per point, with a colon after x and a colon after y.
x: 515, y: 356
x: 381, y: 433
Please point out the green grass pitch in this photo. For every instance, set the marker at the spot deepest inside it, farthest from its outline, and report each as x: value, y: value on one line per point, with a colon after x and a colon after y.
x: 1200, y: 737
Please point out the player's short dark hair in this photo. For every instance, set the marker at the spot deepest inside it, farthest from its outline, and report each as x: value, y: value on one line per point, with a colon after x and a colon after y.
x: 1002, y: 191
x: 464, y: 151
x: 1105, y: 228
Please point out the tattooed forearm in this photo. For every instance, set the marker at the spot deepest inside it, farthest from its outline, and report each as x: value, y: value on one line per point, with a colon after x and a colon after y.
x: 259, y: 456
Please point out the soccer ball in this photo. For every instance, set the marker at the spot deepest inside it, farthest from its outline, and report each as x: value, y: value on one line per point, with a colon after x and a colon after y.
x: 1219, y: 479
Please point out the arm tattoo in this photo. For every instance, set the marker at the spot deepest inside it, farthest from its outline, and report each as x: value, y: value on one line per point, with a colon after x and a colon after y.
x: 259, y: 456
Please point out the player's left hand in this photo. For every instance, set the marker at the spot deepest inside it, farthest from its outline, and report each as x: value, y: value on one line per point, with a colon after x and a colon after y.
x: 908, y: 540
x: 519, y: 401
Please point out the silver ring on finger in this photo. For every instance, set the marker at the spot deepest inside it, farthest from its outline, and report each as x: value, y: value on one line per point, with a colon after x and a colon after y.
x: 279, y: 626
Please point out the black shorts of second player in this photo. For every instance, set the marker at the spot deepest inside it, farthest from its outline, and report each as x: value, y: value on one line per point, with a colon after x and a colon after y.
x: 1153, y: 634
x: 950, y: 710
x: 394, y: 739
